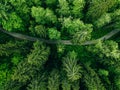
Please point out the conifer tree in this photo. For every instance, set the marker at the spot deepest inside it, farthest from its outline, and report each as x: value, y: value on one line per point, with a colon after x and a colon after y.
x: 98, y: 7
x: 38, y: 82
x: 11, y: 47
x: 110, y: 55
x: 64, y: 8
x: 73, y: 70
x: 43, y: 16
x: 103, y: 20
x: 66, y: 85
x: 92, y: 80
x: 53, y: 80
x: 78, y: 6
x: 29, y: 67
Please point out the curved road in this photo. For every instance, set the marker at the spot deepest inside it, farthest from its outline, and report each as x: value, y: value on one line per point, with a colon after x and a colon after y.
x: 65, y: 42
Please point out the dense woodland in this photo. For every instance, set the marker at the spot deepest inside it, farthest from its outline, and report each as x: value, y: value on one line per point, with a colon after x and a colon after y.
x: 59, y: 45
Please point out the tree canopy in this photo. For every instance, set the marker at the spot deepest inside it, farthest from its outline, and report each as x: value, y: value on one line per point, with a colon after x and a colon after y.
x: 59, y: 45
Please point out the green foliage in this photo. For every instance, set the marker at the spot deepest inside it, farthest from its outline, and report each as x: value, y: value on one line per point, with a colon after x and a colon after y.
x: 51, y: 3
x: 38, y: 66
x: 76, y: 85
x: 117, y: 25
x: 4, y: 7
x: 66, y: 85
x: 108, y: 49
x: 22, y: 10
x: 40, y: 31
x: 117, y: 82
x: 77, y: 28
x: 64, y: 8
x: 60, y: 48
x: 78, y: 6
x: 53, y: 33
x: 72, y: 25
x: 71, y: 67
x: 92, y: 80
x: 4, y: 75
x: 35, y: 2
x: 99, y: 7
x: 38, y: 57
x: 103, y: 72
x: 14, y: 22
x: 43, y: 16
x: 38, y: 83
x: 116, y: 18
x: 103, y: 20
x: 115, y: 14
x: 109, y: 57
x: 82, y: 36
x: 17, y: 2
x: 16, y: 59
x: 11, y: 47
x: 29, y: 67
x: 53, y: 80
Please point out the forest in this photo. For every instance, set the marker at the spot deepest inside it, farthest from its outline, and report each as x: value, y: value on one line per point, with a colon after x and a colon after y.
x: 59, y: 44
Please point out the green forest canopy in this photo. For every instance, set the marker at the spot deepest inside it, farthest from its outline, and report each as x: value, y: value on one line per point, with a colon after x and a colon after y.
x: 59, y: 45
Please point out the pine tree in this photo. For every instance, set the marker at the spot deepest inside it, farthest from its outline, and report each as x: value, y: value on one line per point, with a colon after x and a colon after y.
x: 76, y: 85
x: 116, y: 18
x: 66, y: 85
x: 40, y: 31
x: 13, y: 22
x: 98, y: 7
x: 92, y: 80
x: 107, y: 49
x: 53, y: 80
x: 77, y: 8
x: 64, y: 8
x: 38, y: 82
x: 43, y: 16
x: 22, y: 9
x: 83, y: 35
x: 28, y: 68
x: 12, y: 47
x: 103, y: 20
x: 53, y: 33
x: 76, y: 28
x: 109, y: 57
x: 73, y: 70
